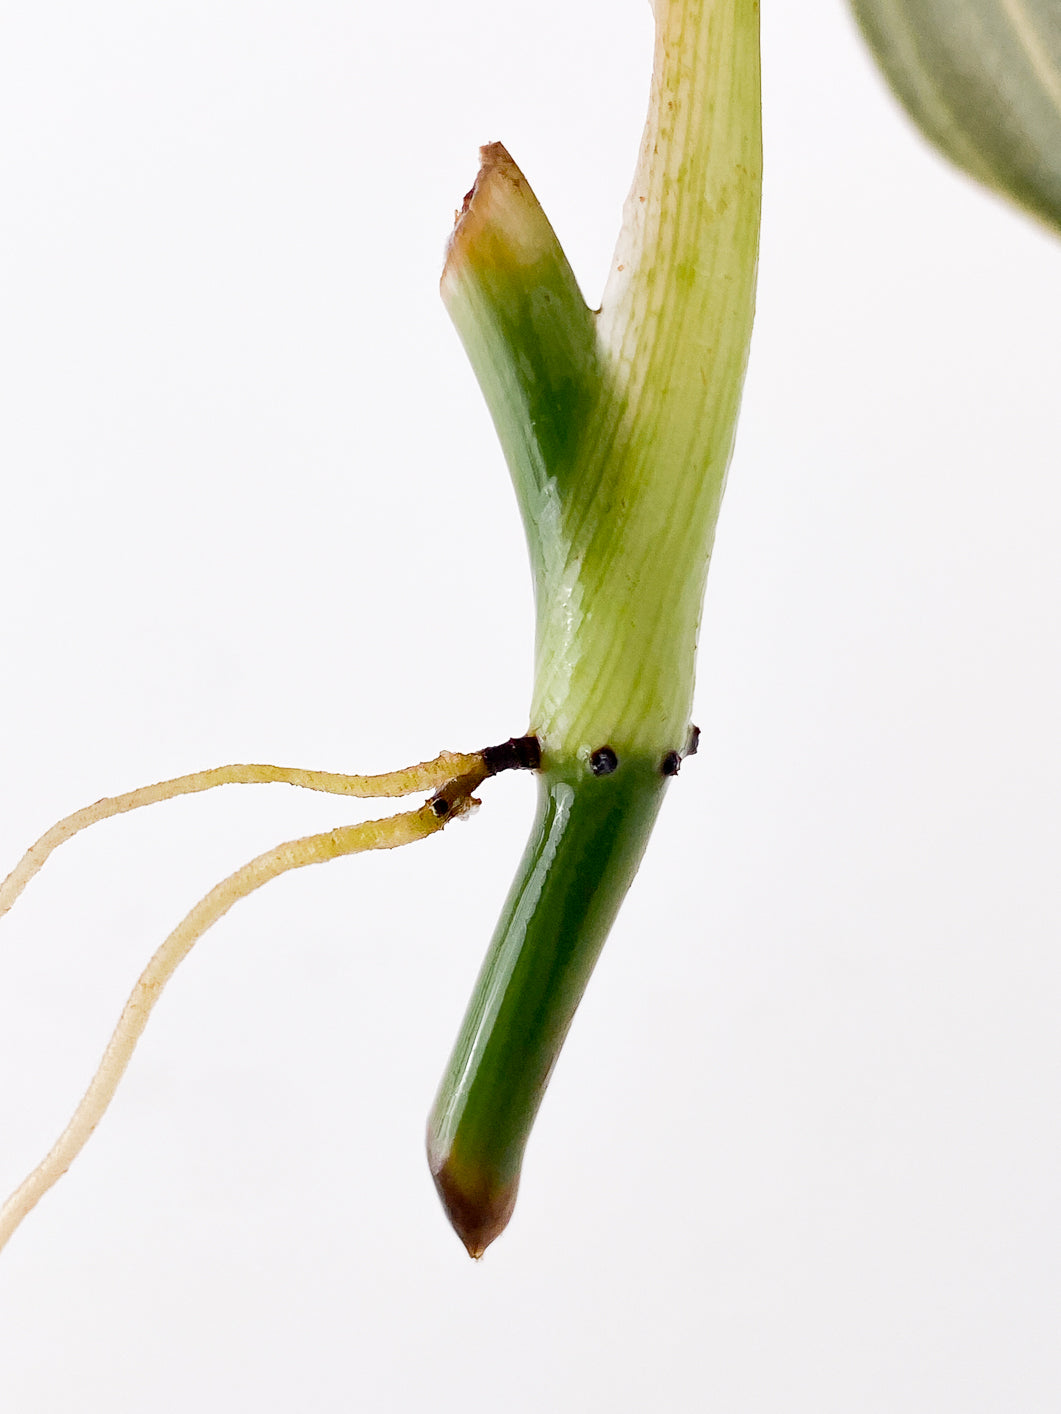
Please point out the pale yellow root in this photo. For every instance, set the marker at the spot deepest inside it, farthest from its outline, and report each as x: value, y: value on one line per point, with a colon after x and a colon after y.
x: 453, y: 799
x: 427, y: 775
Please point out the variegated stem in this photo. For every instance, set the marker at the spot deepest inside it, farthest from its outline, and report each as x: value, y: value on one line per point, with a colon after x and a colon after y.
x: 618, y: 428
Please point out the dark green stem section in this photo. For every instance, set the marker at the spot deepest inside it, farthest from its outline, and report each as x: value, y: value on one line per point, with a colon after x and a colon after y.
x: 588, y: 839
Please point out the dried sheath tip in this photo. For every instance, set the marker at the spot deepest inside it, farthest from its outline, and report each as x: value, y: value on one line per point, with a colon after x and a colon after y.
x: 500, y: 224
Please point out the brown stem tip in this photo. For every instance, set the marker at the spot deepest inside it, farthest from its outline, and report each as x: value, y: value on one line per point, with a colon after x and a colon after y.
x: 477, y: 1208
x: 500, y: 223
x: 493, y: 159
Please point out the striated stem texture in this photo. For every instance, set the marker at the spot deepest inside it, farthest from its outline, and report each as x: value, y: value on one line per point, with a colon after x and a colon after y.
x: 618, y: 428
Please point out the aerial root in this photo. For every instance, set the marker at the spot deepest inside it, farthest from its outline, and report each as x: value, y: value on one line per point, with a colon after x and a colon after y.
x: 454, y: 797
x: 451, y: 776
x: 427, y: 775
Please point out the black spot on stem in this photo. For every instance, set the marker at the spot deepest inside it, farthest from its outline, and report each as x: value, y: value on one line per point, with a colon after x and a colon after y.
x: 603, y: 761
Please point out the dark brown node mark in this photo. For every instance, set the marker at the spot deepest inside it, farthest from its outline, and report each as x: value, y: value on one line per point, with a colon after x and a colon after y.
x: 603, y: 761
x: 440, y: 806
x: 519, y: 753
x: 671, y: 764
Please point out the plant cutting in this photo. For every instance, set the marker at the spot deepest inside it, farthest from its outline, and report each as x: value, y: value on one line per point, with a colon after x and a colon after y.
x: 618, y: 427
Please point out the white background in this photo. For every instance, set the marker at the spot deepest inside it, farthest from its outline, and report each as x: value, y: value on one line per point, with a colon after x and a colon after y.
x: 801, y: 1152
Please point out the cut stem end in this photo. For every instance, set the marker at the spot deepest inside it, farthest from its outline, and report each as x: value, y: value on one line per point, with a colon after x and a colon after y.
x: 478, y: 1209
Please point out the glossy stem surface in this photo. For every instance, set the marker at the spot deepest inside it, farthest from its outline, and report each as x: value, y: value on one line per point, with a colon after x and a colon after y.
x: 588, y: 838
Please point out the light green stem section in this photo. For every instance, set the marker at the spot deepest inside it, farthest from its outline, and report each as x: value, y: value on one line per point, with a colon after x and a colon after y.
x: 619, y: 426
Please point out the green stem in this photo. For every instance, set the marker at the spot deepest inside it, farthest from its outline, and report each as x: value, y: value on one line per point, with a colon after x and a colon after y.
x: 548, y: 939
x: 618, y: 428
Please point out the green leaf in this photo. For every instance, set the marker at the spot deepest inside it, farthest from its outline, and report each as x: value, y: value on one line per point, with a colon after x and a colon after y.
x: 982, y: 79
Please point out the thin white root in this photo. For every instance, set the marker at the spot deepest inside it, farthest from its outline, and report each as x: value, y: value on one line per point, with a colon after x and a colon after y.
x: 427, y: 775
x: 401, y: 829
